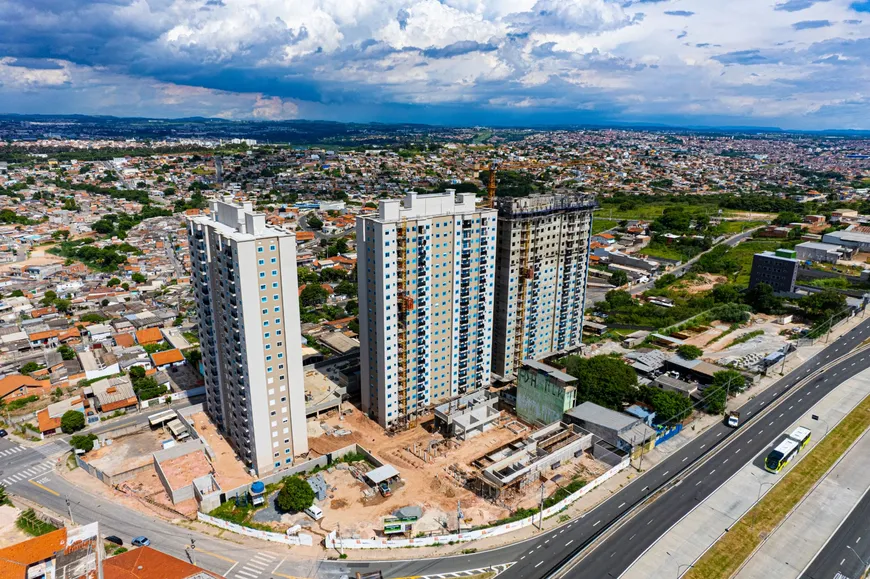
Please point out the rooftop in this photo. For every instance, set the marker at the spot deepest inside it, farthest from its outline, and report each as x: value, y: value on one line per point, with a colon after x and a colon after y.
x: 591, y: 412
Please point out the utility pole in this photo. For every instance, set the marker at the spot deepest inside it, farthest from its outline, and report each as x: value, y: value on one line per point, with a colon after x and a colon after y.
x: 69, y: 510
x: 541, y: 518
x: 458, y: 516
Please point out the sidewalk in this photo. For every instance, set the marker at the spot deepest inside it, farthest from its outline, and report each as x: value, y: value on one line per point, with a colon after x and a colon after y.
x: 702, y: 527
x: 815, y: 519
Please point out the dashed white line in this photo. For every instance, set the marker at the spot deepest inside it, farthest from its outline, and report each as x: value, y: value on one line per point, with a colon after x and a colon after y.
x: 596, y: 523
x: 620, y: 506
x: 539, y: 564
x: 650, y: 522
x: 569, y: 542
x: 724, y: 461
x: 718, y: 435
x: 712, y: 471
x: 665, y: 473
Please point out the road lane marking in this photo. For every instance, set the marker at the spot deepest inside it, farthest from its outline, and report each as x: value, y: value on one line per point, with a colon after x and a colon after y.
x: 685, y: 459
x: 216, y: 556
x: 712, y: 471
x: 569, y: 542
x: 539, y: 564
x: 650, y: 521
x: 718, y: 435
x: 43, y: 487
x: 620, y: 506
x: 596, y: 523
x: 703, y: 445
x: 696, y: 484
x: 665, y: 473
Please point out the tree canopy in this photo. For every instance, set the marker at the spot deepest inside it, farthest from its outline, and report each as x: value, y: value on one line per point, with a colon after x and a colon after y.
x: 295, y: 495
x: 72, y: 421
x: 604, y: 380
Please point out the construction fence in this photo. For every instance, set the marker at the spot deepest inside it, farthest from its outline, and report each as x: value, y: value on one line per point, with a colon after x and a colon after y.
x: 333, y: 542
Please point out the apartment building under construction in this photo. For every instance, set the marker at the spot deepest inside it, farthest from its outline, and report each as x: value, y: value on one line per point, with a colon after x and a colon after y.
x: 426, y: 268
x: 542, y: 263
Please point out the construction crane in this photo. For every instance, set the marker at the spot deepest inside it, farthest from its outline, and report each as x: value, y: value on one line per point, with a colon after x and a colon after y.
x: 493, y: 168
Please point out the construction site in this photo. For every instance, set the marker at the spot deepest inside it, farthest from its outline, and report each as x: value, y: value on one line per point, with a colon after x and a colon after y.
x: 443, y: 471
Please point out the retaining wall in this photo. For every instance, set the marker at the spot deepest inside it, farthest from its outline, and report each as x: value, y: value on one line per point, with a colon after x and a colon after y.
x: 302, y: 539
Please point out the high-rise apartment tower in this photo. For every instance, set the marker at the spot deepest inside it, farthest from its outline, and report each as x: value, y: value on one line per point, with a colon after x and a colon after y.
x: 244, y: 278
x: 541, y: 270
x: 426, y: 268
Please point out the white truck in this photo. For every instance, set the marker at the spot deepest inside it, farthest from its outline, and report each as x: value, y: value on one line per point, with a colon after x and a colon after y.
x: 732, y: 419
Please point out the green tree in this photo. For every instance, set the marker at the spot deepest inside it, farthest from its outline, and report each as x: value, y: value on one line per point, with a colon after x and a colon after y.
x: 314, y: 222
x: 665, y: 280
x: 66, y: 352
x: 93, y: 317
x: 4, y: 497
x: 689, y: 352
x: 295, y: 495
x: 762, y: 300
x: 306, y: 276
x: 604, y: 380
x: 823, y: 304
x: 29, y: 367
x: 726, y: 293
x: 113, y: 282
x: 72, y: 421
x: 346, y: 288
x: 139, y: 278
x: 618, y: 278
x: 313, y: 295
x: 725, y: 383
x: 48, y: 298
x: 670, y: 407
x: 83, y: 442
x: 787, y: 217
x: 63, y: 305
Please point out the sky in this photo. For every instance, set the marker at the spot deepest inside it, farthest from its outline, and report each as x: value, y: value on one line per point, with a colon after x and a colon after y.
x: 795, y: 64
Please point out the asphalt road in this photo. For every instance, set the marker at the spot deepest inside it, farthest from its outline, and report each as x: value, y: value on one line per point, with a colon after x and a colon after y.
x: 542, y: 555
x: 536, y: 557
x: 837, y: 560
x: 679, y: 270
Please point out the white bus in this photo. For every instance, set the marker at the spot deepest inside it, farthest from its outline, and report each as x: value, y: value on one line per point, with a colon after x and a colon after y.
x: 801, y: 435
x: 779, y: 456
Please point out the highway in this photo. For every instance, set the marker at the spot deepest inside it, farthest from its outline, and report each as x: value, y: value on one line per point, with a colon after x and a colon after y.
x: 543, y: 555
x: 837, y: 559
x: 533, y: 558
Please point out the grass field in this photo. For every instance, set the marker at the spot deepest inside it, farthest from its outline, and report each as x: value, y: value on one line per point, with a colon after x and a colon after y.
x: 664, y: 251
x: 723, y: 559
x: 599, y: 225
x: 732, y: 227
x: 745, y: 251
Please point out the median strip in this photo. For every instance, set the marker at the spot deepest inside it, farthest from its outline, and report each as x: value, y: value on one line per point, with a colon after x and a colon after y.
x: 724, y: 558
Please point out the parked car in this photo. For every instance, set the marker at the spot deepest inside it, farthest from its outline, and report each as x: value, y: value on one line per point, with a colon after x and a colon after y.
x: 115, y: 539
x: 141, y: 541
x: 3, y: 433
x: 314, y: 512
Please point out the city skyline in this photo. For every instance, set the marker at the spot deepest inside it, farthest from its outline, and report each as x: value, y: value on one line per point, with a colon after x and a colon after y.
x: 795, y: 64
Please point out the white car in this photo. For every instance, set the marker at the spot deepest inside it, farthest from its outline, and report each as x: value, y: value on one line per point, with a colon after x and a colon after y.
x: 314, y: 512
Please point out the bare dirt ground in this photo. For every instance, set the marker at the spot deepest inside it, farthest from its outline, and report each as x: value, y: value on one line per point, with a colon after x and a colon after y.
x: 9, y: 533
x: 429, y: 485
x: 230, y: 472
x: 704, y: 282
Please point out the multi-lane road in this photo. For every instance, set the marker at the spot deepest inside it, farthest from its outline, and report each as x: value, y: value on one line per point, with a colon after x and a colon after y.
x: 538, y: 557
x: 545, y: 554
x: 847, y: 553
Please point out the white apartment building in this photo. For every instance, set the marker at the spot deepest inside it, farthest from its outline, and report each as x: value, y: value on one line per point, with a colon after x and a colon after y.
x: 244, y: 278
x: 543, y: 260
x: 426, y: 268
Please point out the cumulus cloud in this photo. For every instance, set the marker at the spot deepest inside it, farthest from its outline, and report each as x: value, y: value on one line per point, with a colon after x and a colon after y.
x: 438, y: 60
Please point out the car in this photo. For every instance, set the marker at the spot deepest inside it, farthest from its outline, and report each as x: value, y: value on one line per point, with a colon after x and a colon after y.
x: 314, y: 512
x: 141, y: 541
x: 115, y: 539
x: 3, y: 433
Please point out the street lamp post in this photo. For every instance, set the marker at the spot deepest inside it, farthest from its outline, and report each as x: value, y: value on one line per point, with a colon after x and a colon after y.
x: 817, y: 419
x: 863, y: 562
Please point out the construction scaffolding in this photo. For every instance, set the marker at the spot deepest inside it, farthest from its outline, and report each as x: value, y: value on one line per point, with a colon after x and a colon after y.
x: 524, y: 277
x: 405, y: 305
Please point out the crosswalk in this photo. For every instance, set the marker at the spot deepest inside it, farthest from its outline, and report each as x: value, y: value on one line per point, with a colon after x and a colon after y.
x: 11, y: 451
x: 259, y: 564
x: 28, y: 473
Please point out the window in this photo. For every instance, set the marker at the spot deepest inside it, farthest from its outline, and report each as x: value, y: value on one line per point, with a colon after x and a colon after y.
x: 276, y: 297
x: 271, y: 248
x: 265, y: 311
x: 262, y: 274
x: 274, y: 260
x: 266, y: 323
x: 262, y: 287
x: 274, y: 285
x: 268, y: 358
x: 264, y: 299
x: 261, y: 261
x: 277, y: 321
x: 266, y: 335
x: 259, y: 250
